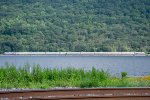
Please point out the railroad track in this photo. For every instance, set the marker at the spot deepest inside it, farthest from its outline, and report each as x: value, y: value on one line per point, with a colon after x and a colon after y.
x: 79, y: 94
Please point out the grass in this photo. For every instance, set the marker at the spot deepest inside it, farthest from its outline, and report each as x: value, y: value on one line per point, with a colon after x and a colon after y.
x: 24, y: 77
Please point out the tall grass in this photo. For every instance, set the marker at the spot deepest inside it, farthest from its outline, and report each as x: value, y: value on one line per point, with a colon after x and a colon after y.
x: 37, y: 77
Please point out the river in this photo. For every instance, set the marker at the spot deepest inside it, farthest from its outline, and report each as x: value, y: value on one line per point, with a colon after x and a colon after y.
x: 134, y: 65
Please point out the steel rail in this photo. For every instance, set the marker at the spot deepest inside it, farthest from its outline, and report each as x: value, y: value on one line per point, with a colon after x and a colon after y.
x: 131, y: 97
x: 88, y: 94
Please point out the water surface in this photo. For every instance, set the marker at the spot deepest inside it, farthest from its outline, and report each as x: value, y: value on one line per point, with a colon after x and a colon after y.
x: 134, y: 65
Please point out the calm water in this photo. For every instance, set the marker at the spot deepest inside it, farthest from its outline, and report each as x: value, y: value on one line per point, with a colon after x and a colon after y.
x: 113, y: 64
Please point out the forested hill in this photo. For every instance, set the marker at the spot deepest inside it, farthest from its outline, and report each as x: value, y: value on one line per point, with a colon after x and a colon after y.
x: 74, y: 25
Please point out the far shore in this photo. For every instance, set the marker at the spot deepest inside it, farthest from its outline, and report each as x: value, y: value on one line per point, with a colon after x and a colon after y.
x: 74, y: 54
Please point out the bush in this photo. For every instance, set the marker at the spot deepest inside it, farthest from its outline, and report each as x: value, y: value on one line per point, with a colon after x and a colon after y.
x: 124, y: 74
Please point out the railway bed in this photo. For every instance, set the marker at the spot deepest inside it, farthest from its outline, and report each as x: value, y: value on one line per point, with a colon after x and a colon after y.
x: 79, y: 94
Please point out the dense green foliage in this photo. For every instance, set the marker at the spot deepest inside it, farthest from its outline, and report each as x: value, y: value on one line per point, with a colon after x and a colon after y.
x: 23, y: 77
x: 74, y: 25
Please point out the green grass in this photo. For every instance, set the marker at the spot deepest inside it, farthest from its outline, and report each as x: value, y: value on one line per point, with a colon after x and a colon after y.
x: 12, y: 77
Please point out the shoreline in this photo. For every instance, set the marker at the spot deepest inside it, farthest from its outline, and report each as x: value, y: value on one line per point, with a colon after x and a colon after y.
x: 85, y: 55
x: 74, y: 54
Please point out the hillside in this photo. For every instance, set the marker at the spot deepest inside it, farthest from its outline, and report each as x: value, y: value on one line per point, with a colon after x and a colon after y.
x: 74, y: 25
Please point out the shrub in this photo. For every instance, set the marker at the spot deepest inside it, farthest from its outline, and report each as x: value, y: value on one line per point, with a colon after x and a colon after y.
x: 124, y: 74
